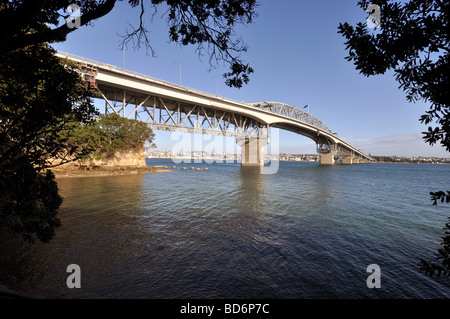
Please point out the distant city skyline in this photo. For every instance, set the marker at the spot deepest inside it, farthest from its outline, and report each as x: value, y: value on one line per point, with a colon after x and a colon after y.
x: 312, y: 157
x: 392, y: 145
x: 299, y: 59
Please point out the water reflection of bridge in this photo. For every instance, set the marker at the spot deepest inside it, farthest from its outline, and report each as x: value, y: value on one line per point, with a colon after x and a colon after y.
x: 171, y: 107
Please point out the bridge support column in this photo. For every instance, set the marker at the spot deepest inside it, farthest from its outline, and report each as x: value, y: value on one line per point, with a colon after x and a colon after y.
x: 347, y: 160
x: 327, y: 158
x: 356, y: 160
x: 252, y: 151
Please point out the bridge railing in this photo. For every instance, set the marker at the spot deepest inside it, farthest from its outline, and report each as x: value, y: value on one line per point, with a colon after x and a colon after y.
x: 274, y: 107
x: 137, y: 74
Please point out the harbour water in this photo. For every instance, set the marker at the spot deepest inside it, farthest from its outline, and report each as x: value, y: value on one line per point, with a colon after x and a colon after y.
x: 308, y: 231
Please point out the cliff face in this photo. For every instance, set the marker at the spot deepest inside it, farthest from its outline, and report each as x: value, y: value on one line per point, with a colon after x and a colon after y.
x: 122, y: 159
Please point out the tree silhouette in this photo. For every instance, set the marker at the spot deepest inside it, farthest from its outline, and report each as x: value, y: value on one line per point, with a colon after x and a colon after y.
x: 413, y: 41
x: 209, y: 25
x: 39, y: 96
x: 42, y: 97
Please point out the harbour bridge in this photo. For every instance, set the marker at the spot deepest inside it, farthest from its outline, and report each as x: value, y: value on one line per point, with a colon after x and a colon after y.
x: 171, y: 107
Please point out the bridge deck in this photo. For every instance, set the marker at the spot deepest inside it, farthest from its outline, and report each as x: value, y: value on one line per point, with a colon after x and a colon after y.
x: 170, y: 106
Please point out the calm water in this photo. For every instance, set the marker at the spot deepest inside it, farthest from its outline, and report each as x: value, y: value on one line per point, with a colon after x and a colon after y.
x: 308, y: 231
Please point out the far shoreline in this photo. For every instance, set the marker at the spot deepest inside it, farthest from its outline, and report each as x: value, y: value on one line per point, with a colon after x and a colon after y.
x: 123, y: 171
x: 293, y: 161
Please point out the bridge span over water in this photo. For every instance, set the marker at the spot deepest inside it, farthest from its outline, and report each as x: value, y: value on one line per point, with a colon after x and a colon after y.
x: 171, y: 107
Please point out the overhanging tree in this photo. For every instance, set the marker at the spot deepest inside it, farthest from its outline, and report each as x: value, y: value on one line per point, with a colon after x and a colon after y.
x: 209, y: 25
x: 413, y: 42
x: 40, y: 96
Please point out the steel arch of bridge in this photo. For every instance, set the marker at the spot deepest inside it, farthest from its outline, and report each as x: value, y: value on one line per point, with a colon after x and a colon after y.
x: 292, y: 112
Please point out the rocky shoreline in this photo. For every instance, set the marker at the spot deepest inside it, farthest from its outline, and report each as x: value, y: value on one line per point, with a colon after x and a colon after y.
x: 64, y: 173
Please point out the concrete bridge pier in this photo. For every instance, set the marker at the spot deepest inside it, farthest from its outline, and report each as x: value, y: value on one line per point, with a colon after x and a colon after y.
x: 327, y: 158
x: 347, y: 160
x: 252, y: 151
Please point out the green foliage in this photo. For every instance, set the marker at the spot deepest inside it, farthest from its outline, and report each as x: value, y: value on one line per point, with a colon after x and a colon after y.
x: 442, y: 267
x: 413, y: 41
x: 436, y: 196
x: 29, y: 201
x: 39, y: 96
x: 109, y: 135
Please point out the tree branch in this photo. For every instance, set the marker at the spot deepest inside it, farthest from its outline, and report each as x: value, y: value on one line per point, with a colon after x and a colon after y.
x: 53, y: 35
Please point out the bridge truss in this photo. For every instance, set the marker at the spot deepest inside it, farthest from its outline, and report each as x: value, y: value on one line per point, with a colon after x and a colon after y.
x: 176, y: 110
x: 170, y: 115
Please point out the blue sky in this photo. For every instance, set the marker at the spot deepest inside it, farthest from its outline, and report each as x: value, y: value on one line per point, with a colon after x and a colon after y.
x: 298, y: 58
